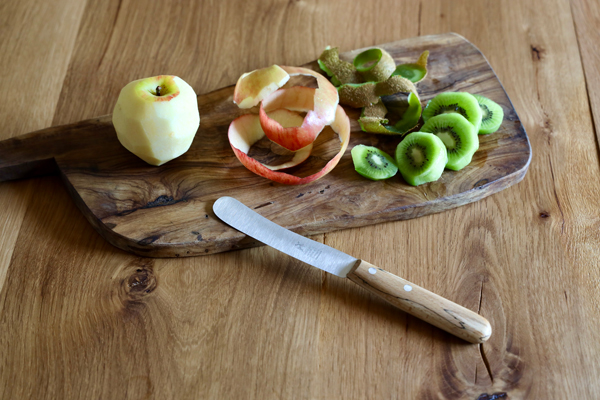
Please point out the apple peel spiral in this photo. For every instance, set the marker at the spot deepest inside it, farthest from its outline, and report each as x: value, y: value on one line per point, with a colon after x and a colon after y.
x: 321, y: 108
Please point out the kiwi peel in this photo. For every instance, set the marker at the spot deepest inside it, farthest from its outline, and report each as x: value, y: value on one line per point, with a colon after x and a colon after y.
x: 459, y: 137
x: 374, y: 65
x: 491, y: 115
x: 334, y: 80
x: 340, y: 71
x: 422, y: 61
x: 415, y: 72
x: 365, y: 94
x: 371, y: 75
x: 421, y: 158
x: 372, y: 118
x: 373, y: 163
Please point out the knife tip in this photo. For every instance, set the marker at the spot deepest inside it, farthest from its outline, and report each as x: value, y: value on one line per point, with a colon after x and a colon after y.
x: 222, y: 203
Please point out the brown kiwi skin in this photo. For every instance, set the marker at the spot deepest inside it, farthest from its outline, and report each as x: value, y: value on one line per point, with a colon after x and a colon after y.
x: 344, y: 71
x: 366, y: 94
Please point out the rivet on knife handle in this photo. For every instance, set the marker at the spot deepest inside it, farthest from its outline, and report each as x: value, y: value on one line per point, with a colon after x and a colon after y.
x: 422, y: 303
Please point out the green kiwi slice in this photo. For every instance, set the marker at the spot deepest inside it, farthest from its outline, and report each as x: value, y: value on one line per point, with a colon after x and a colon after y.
x: 491, y: 115
x: 421, y: 158
x: 454, y: 102
x: 459, y: 136
x: 373, y: 163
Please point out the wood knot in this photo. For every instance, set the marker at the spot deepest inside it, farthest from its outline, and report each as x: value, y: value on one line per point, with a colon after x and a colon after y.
x: 544, y: 214
x: 481, y: 183
x: 148, y: 240
x: 537, y: 53
x: 268, y: 203
x: 161, y: 201
x: 140, y: 282
x: 495, y: 396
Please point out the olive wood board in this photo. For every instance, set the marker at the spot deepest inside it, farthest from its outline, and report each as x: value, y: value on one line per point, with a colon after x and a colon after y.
x: 166, y: 211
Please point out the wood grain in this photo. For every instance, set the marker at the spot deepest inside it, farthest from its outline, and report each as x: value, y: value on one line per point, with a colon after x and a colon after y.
x: 34, y: 63
x: 76, y: 320
x: 586, y: 15
x: 166, y: 211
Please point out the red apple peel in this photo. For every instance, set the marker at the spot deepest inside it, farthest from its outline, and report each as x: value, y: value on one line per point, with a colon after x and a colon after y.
x: 254, y: 86
x: 247, y: 131
x: 297, y: 98
x: 244, y: 131
x: 321, y: 114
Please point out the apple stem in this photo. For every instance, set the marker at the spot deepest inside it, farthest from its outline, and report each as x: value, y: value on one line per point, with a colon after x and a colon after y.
x: 158, y: 88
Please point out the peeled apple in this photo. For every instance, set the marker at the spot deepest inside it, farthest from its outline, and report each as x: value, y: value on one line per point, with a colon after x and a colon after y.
x: 157, y: 118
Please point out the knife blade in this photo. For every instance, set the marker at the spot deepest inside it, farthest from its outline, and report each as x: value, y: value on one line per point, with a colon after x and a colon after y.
x: 403, y: 294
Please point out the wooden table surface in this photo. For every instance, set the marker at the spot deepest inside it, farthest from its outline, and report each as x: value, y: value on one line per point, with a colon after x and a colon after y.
x: 82, y: 319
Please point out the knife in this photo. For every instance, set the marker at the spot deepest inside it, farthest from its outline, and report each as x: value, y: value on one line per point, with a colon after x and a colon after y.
x: 403, y: 294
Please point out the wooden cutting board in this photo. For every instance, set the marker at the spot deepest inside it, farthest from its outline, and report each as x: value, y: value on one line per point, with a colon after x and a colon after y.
x: 166, y: 211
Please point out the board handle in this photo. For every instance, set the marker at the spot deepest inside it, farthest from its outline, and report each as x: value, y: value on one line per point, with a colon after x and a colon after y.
x: 421, y: 303
x: 34, y: 153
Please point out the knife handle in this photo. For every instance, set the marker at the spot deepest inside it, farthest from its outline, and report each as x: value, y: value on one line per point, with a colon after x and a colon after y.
x: 422, y: 303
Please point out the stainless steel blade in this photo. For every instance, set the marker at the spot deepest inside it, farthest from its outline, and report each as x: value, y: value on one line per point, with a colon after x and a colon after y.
x: 242, y: 218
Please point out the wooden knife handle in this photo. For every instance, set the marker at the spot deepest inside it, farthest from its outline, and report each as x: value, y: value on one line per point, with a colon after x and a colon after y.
x: 421, y: 303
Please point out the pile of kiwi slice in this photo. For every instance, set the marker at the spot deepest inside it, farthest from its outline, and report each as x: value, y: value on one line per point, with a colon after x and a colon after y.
x: 447, y: 139
x: 452, y: 120
x: 484, y: 114
x: 458, y: 136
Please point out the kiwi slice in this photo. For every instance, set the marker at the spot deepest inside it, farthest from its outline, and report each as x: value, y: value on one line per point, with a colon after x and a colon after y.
x: 455, y: 102
x: 421, y: 158
x: 491, y: 115
x: 459, y: 136
x: 373, y: 163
